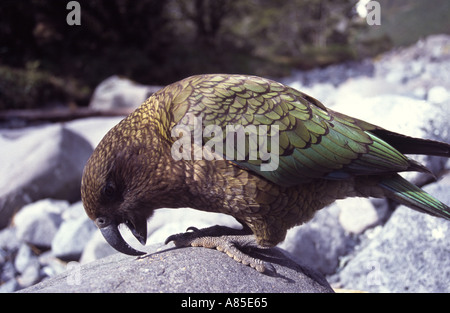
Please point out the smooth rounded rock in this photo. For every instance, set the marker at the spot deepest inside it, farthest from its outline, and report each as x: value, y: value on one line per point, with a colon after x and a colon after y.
x: 186, y: 270
x: 44, y: 163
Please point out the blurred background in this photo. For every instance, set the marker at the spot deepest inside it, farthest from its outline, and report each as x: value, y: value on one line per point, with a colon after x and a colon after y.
x: 46, y: 62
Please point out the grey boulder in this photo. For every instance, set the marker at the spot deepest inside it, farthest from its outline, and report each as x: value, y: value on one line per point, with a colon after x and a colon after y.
x: 119, y: 92
x: 71, y: 237
x: 410, y: 254
x: 184, y: 270
x: 38, y: 222
x: 45, y: 163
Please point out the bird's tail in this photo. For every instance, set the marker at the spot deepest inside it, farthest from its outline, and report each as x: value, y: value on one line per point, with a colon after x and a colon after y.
x: 411, y: 145
x: 401, y: 190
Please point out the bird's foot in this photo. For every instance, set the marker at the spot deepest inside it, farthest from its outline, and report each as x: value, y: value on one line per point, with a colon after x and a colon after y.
x: 224, y: 239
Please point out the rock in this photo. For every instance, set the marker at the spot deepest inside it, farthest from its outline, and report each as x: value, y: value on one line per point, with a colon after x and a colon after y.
x: 117, y: 92
x: 9, y: 286
x: 93, y: 129
x: 401, y: 114
x: 9, y: 246
x: 325, y: 92
x: 9, y: 240
x: 30, y: 275
x: 71, y: 237
x: 96, y: 248
x: 359, y: 214
x: 421, y: 61
x: 320, y: 243
x: 27, y: 264
x: 37, y: 223
x: 50, y: 265
x: 409, y: 254
x: 7, y: 272
x: 334, y: 74
x: 438, y: 94
x: 355, y: 93
x: 23, y: 258
x: 187, y: 270
x: 45, y: 163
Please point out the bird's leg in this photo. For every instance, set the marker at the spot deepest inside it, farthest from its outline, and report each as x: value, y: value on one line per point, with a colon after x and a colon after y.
x: 224, y: 239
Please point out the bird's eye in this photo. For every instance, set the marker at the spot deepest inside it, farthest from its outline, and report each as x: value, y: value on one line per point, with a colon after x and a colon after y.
x: 109, y: 191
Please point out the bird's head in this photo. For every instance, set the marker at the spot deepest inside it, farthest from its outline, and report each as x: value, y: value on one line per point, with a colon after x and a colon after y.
x: 115, y: 188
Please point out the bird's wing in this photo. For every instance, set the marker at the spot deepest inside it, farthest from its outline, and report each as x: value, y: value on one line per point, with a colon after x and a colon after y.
x: 313, y: 141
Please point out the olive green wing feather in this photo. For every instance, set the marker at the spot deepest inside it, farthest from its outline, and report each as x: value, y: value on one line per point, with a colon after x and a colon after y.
x: 313, y: 141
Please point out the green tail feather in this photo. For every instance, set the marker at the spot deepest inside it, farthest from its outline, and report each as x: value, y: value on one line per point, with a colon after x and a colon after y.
x: 412, y: 196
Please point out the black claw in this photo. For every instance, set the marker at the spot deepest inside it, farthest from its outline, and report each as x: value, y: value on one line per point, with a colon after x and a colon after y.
x: 175, y: 237
x: 269, y: 269
x: 170, y: 238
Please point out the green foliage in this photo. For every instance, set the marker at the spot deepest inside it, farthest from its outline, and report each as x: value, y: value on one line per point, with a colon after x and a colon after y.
x: 405, y: 21
x: 31, y: 88
x: 115, y: 37
x: 289, y: 30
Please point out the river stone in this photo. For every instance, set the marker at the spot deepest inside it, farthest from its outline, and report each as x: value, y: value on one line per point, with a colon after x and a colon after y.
x: 187, y: 270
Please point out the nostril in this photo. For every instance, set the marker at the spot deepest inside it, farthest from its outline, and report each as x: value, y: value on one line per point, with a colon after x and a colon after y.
x: 101, y: 222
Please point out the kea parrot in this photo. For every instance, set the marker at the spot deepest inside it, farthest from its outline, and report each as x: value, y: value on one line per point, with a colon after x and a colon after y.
x: 246, y: 146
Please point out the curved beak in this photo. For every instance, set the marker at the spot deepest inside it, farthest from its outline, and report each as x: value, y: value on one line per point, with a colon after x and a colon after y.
x: 138, y: 229
x: 110, y: 231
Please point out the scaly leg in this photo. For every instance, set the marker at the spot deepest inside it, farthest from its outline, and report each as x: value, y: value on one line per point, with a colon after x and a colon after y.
x: 224, y: 239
